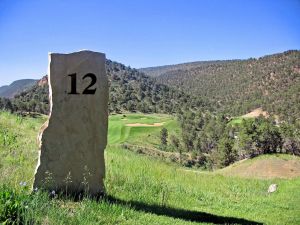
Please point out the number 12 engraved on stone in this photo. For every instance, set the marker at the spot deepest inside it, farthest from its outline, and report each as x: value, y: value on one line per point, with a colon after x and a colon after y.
x: 88, y: 90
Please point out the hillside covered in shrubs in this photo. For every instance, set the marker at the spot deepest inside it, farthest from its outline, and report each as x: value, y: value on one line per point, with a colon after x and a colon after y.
x: 235, y: 87
x: 130, y: 91
x: 206, y: 97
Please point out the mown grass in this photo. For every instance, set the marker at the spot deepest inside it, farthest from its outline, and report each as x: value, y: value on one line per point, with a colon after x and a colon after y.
x: 144, y: 136
x: 239, y: 120
x: 143, y: 190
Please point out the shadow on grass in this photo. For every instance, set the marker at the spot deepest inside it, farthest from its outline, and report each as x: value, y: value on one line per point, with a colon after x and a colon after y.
x: 183, y: 214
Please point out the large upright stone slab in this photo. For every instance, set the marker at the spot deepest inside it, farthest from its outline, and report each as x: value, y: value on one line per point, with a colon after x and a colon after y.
x: 73, y: 140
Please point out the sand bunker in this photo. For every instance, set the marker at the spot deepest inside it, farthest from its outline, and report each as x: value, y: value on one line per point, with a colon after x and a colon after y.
x: 144, y: 125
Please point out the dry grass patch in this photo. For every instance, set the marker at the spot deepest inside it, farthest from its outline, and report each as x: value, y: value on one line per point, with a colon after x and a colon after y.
x: 265, y: 168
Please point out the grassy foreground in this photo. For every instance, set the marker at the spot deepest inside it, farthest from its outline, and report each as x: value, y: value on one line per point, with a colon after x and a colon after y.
x: 143, y: 190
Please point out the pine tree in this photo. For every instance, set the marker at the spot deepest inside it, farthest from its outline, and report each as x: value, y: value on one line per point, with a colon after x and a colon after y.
x: 164, y: 136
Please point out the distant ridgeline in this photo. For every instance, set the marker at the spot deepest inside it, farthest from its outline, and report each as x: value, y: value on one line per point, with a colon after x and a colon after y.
x: 9, y: 91
x: 236, y: 87
x: 130, y: 91
x: 230, y: 87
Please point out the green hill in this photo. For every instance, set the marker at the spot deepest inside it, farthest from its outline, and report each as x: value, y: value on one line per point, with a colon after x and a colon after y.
x: 236, y: 87
x: 141, y: 189
x: 9, y: 91
x: 130, y: 91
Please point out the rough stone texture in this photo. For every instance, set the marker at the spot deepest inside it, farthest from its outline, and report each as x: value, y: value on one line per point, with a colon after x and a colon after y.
x: 73, y: 140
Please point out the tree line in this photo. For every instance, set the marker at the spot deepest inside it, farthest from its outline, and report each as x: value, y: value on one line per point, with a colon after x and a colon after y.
x: 216, y: 141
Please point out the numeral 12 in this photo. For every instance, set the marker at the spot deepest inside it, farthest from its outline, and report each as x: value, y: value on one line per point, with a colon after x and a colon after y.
x: 87, y: 90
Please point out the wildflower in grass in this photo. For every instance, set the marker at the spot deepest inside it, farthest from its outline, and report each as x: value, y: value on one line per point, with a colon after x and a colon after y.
x: 52, y: 194
x: 86, y: 176
x: 68, y: 181
x: 48, y: 181
x: 23, y: 184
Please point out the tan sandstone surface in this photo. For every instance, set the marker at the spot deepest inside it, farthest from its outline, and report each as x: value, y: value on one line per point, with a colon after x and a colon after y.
x: 75, y: 136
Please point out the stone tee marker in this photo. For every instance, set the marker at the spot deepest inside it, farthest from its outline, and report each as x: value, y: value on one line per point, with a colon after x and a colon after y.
x: 73, y: 140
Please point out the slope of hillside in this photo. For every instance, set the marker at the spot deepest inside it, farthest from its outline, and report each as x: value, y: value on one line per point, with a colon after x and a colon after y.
x: 141, y: 190
x: 265, y: 167
x: 239, y: 86
x: 16, y: 87
x: 157, y: 71
x: 130, y: 91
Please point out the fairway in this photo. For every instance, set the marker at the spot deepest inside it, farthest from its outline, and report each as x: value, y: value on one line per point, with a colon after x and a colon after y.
x: 139, y: 129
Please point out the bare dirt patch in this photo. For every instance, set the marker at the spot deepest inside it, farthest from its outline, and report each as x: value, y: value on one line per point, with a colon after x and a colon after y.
x: 256, y: 113
x: 144, y: 124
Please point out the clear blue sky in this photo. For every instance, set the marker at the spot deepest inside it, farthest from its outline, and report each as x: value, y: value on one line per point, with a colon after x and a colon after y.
x: 142, y: 33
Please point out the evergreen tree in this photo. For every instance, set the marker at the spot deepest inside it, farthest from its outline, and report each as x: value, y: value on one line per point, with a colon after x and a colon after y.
x: 227, y: 154
x: 164, y: 137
